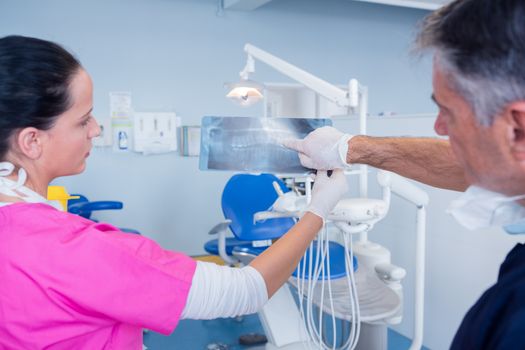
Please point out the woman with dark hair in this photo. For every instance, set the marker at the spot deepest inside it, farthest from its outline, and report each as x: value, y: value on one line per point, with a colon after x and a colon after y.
x: 69, y: 283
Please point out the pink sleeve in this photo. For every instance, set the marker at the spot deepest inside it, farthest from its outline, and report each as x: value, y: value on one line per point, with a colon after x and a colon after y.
x: 125, y: 277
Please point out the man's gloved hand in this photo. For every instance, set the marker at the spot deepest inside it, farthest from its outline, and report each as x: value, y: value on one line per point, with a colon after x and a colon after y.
x: 323, y: 149
x: 327, y: 192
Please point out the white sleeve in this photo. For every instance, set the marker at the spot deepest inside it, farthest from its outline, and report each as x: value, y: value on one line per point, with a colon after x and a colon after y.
x: 222, y: 291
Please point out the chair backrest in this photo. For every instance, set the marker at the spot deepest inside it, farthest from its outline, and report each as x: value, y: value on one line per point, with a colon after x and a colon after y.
x: 243, y: 196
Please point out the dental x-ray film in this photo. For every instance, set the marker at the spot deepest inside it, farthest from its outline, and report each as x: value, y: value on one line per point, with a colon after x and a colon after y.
x: 253, y: 144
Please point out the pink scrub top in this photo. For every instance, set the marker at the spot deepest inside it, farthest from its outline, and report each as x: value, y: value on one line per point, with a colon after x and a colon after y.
x: 69, y: 283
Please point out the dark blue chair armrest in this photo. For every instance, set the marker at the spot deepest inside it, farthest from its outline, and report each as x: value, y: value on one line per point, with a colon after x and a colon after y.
x: 85, y: 208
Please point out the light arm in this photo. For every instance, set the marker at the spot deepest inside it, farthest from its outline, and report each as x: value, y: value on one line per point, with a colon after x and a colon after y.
x: 323, y: 88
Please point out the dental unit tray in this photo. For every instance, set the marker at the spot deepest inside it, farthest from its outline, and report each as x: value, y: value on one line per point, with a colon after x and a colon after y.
x: 253, y: 144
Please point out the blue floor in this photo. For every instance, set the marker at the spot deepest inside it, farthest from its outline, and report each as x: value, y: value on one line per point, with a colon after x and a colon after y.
x: 197, y: 335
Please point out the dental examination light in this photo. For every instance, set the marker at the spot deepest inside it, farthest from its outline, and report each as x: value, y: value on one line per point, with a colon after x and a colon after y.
x: 247, y: 92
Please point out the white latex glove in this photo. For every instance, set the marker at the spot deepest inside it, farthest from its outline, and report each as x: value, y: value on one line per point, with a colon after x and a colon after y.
x: 327, y: 192
x: 323, y: 149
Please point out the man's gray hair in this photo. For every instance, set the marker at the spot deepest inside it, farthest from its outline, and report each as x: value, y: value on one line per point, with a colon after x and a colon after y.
x: 480, y: 46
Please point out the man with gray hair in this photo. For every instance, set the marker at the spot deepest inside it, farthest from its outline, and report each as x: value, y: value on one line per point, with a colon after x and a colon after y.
x: 479, y: 88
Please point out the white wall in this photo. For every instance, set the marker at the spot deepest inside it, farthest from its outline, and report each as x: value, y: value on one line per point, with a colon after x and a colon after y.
x: 176, y: 55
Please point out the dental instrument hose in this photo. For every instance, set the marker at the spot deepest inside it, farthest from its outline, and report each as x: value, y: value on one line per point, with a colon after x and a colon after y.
x: 321, y: 268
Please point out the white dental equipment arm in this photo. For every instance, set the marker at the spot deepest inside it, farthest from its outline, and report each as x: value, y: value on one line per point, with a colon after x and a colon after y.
x: 413, y: 194
x: 402, y: 187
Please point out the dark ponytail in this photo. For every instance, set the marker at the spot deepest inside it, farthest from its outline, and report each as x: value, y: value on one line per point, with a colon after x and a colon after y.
x: 34, y: 85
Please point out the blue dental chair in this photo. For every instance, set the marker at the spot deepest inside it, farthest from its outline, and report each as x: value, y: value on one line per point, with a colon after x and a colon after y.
x: 85, y: 208
x: 242, y: 197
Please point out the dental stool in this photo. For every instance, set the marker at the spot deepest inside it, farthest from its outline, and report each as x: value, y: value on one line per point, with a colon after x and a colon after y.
x: 83, y: 207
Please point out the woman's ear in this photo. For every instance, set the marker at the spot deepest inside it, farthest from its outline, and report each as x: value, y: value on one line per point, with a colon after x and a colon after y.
x: 29, y: 141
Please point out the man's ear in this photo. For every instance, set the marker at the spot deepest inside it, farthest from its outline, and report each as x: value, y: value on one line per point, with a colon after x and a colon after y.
x: 29, y: 142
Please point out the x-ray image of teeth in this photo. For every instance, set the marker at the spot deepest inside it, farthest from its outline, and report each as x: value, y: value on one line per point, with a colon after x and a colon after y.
x: 253, y: 144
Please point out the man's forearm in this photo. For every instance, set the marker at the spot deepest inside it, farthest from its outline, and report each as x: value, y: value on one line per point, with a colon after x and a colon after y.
x: 427, y: 160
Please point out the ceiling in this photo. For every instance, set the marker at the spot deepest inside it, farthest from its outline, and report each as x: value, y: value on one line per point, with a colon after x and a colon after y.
x: 249, y: 5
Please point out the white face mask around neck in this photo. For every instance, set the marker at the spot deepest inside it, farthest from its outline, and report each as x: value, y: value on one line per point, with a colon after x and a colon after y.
x: 17, y: 189
x: 480, y: 208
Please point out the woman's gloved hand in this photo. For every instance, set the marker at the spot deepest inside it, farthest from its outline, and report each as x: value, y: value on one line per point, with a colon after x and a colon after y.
x: 327, y: 191
x: 323, y: 149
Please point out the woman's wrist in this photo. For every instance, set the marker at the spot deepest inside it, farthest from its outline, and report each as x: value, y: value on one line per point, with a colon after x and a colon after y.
x: 312, y: 220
